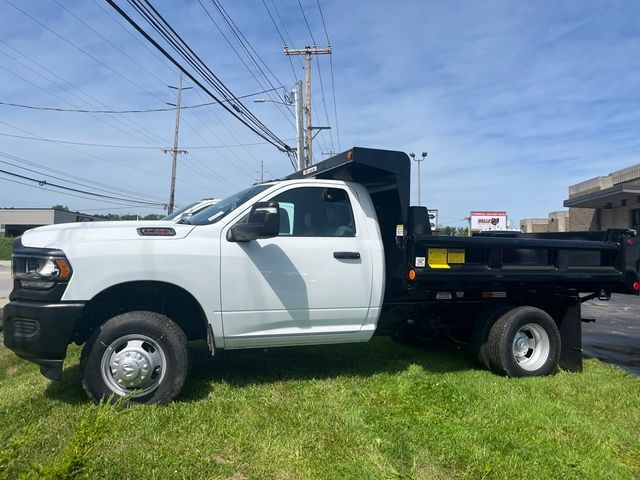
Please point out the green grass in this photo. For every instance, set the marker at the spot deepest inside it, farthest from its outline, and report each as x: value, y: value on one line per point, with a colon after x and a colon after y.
x: 367, y: 411
x: 6, y: 248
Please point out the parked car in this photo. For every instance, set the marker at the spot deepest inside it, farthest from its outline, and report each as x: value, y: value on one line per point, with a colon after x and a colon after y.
x: 191, y: 209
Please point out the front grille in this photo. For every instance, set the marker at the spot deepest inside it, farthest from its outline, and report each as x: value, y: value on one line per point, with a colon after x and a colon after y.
x: 24, y: 327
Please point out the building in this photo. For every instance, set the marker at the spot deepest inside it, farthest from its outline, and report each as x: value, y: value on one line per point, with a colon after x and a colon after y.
x: 534, y: 225
x: 612, y: 201
x: 600, y: 203
x: 15, y: 221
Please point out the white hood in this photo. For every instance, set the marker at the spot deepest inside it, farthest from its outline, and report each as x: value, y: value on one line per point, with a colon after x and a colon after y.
x: 55, y: 236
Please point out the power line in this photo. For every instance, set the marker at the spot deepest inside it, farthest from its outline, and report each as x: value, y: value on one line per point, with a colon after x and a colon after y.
x: 306, y: 22
x: 131, y: 147
x: 162, y: 27
x: 240, y: 56
x: 43, y: 183
x: 71, y: 194
x: 132, y: 198
x: 131, y: 128
x: 333, y: 83
x: 286, y: 32
x: 70, y: 175
x: 324, y: 25
x: 335, y: 108
x: 149, y: 110
x: 247, y: 46
x: 91, y: 155
x: 115, y: 47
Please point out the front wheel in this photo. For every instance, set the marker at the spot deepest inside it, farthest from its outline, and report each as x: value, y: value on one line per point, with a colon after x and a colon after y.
x: 524, y: 342
x: 142, y: 356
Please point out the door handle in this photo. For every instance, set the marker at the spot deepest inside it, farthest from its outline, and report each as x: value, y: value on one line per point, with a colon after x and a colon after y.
x: 347, y: 255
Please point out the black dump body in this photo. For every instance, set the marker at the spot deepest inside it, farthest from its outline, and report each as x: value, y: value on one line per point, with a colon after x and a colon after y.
x: 588, y: 262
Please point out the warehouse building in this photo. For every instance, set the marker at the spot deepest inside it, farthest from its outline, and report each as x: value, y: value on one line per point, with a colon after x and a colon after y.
x: 15, y: 221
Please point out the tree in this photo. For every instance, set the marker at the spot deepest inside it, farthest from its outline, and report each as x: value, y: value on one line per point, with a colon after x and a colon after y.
x: 61, y: 208
x: 452, y: 231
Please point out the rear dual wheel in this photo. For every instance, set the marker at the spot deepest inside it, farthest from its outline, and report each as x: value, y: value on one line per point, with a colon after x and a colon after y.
x: 518, y: 341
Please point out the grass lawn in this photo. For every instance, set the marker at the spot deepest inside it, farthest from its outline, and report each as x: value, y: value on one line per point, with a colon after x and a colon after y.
x: 366, y: 411
x: 6, y: 248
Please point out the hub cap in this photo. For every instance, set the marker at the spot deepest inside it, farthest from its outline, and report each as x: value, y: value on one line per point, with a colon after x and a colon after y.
x: 531, y: 347
x: 133, y: 364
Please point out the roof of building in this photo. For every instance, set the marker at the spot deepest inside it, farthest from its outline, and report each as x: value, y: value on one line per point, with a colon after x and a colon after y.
x: 607, y: 198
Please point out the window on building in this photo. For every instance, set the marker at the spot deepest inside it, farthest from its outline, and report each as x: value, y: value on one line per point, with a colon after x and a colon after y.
x: 635, y: 218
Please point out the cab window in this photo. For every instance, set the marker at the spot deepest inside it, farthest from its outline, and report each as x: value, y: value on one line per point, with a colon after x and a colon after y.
x: 316, y: 212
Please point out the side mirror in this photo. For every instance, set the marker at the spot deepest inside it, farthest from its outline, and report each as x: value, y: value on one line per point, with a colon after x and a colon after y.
x: 186, y: 218
x: 263, y: 222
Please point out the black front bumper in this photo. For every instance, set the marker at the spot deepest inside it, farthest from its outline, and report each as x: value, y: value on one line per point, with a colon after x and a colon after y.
x: 40, y: 332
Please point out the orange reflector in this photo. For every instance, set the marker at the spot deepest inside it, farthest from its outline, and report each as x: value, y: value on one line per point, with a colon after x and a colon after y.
x: 64, y: 267
x: 349, y: 154
x: 636, y: 286
x: 412, y: 274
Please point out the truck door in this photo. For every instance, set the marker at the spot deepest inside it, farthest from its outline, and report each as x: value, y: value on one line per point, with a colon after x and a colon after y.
x: 310, y: 284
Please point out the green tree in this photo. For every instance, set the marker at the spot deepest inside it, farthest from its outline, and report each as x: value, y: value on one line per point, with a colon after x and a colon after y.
x: 61, y: 208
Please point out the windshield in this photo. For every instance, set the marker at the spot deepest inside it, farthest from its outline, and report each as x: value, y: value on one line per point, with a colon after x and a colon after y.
x: 213, y: 213
x: 180, y: 212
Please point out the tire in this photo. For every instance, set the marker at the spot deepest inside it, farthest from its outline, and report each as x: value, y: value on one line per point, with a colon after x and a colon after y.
x: 142, y: 356
x: 480, y: 333
x: 524, y: 342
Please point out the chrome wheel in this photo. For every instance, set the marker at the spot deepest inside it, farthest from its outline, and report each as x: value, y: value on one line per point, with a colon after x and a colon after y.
x: 531, y: 346
x: 133, y: 365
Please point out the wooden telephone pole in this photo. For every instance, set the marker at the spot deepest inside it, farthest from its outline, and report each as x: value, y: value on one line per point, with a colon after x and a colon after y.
x: 175, y: 151
x: 307, y: 52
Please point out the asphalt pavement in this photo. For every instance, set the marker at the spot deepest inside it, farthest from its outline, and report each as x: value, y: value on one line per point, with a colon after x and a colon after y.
x: 613, y: 338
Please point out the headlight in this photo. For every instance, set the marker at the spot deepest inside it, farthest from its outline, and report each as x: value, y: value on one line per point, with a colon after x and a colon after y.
x: 40, y: 272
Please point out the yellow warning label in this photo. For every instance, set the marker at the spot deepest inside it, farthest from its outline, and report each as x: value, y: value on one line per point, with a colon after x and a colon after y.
x: 455, y: 255
x: 438, y: 258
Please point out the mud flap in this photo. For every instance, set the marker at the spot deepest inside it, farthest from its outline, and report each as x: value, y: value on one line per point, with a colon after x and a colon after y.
x: 570, y: 326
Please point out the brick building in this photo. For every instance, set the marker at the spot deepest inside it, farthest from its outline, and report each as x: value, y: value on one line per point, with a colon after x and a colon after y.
x: 600, y: 203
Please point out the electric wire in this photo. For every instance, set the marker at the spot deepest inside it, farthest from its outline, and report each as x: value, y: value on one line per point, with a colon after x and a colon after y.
x: 74, y: 195
x: 279, y: 107
x: 333, y: 83
x: 102, y: 159
x: 42, y: 183
x: 286, y: 32
x: 161, y: 26
x: 306, y: 22
x: 129, y: 147
x: 148, y: 110
x: 248, y: 46
x: 129, y: 128
x: 73, y: 182
x: 112, y: 189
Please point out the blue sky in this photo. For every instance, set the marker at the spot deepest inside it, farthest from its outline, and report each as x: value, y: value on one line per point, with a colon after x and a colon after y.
x: 514, y: 101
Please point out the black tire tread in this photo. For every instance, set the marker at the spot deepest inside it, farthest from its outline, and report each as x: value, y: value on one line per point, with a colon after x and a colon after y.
x: 480, y: 333
x: 145, y: 319
x: 499, y: 351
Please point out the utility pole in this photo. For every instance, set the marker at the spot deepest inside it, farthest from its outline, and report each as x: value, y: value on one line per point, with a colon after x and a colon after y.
x: 307, y: 52
x: 175, y: 151
x: 418, y: 161
x: 261, y: 172
x: 299, y: 123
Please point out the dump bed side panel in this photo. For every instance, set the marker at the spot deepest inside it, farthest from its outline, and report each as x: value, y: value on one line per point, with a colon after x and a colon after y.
x: 608, y: 261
